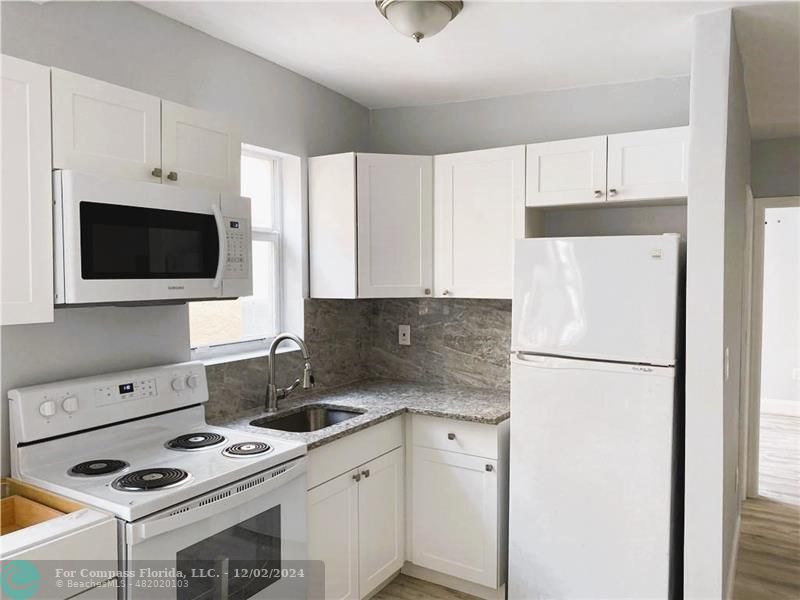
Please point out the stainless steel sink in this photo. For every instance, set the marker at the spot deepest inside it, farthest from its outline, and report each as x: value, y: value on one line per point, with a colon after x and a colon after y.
x: 308, y: 418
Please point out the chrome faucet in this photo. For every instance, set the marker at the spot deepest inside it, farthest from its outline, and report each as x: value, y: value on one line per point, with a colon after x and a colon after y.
x: 274, y: 393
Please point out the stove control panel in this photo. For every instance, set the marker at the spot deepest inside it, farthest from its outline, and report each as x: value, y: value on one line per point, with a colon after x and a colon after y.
x: 63, y: 407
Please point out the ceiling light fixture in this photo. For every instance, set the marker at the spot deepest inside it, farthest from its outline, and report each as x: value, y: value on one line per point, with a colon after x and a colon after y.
x: 419, y: 19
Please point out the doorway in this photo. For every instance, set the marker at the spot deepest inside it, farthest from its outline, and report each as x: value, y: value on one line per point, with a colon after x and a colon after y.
x: 774, y: 412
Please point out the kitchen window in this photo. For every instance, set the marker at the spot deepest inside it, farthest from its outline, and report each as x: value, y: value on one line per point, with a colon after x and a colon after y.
x: 221, y: 328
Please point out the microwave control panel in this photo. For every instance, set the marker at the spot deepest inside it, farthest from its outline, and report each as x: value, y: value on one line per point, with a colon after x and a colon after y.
x: 238, y: 240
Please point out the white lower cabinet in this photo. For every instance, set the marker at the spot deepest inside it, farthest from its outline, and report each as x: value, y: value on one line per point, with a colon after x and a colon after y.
x: 356, y: 520
x: 455, y: 515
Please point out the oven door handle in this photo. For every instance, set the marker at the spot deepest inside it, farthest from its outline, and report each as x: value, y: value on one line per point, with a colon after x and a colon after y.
x: 223, y: 246
x: 177, y: 518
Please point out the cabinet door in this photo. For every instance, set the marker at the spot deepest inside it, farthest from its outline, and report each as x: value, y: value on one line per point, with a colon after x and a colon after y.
x: 333, y: 534
x: 566, y: 172
x: 105, y: 129
x: 395, y: 225
x: 380, y: 520
x: 479, y: 201
x: 455, y: 518
x: 646, y: 165
x: 200, y: 149
x: 26, y: 205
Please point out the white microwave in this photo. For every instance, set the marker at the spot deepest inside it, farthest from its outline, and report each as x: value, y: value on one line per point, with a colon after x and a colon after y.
x: 119, y: 241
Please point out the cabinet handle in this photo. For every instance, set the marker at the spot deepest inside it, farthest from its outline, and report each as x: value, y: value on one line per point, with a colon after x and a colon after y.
x: 156, y: 172
x: 172, y: 176
x: 451, y: 436
x: 427, y: 291
x: 612, y: 192
x: 598, y: 193
x: 490, y: 468
x: 357, y: 477
x: 365, y: 473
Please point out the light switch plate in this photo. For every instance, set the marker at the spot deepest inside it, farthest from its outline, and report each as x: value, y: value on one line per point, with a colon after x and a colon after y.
x: 404, y: 335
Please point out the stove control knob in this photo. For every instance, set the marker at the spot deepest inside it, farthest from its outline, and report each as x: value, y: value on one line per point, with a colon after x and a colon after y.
x: 178, y: 384
x: 192, y: 381
x: 47, y: 408
x: 70, y: 404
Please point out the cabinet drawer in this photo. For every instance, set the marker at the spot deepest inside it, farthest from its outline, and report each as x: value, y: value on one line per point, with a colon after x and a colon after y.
x: 466, y: 437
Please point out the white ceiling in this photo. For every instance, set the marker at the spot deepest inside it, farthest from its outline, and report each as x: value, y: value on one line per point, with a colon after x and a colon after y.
x: 491, y: 48
x: 769, y: 41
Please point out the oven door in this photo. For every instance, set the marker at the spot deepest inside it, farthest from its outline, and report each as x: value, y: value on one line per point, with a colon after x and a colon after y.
x: 128, y: 241
x: 247, y: 540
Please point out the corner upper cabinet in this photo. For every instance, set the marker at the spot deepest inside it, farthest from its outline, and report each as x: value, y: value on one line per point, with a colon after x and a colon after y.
x: 105, y: 129
x: 199, y: 149
x: 371, y: 226
x: 645, y: 165
x: 566, y: 172
x: 479, y: 210
x: 26, y: 199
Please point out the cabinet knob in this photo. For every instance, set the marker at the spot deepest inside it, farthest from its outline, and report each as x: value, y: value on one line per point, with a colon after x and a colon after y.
x: 598, y: 193
x: 612, y: 192
x: 427, y: 291
x: 446, y: 293
x: 357, y: 477
x: 156, y: 172
x: 490, y: 468
x: 451, y: 436
x: 365, y: 473
x: 172, y: 176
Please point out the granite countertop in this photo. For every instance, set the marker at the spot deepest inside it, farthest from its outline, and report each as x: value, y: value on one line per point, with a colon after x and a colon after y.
x: 380, y: 401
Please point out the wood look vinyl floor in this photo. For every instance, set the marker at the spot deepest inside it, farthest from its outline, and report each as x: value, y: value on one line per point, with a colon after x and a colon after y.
x: 404, y: 587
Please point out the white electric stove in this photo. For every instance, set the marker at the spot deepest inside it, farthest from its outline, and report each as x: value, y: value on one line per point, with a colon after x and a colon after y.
x: 136, y: 443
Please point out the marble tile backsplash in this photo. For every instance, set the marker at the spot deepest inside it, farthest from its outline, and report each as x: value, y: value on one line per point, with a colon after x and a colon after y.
x: 453, y: 341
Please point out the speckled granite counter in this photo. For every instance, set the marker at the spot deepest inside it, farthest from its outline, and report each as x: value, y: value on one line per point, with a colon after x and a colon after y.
x: 382, y: 400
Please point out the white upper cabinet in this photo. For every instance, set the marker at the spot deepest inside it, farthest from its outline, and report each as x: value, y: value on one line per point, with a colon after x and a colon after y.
x: 648, y: 164
x: 566, y: 172
x: 479, y: 200
x: 332, y: 226
x: 199, y: 149
x: 26, y: 201
x: 395, y: 225
x: 105, y: 129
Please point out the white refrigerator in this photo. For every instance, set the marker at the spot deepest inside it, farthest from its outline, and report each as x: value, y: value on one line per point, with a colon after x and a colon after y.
x: 593, y: 417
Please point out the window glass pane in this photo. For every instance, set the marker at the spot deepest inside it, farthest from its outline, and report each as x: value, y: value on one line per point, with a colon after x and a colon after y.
x: 257, y: 185
x: 258, y: 310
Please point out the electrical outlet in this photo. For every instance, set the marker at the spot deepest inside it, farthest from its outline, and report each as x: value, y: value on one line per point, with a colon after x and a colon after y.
x: 404, y: 335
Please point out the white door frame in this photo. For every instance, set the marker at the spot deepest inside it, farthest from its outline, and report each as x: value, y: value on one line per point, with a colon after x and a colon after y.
x: 751, y: 357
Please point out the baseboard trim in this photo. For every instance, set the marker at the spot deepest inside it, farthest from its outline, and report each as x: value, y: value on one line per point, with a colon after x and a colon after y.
x: 378, y: 589
x: 734, y: 557
x: 454, y: 583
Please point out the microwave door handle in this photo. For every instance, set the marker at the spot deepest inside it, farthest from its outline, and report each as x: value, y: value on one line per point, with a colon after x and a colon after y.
x: 223, y: 246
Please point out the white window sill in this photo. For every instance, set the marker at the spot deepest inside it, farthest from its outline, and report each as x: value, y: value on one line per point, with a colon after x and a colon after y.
x: 216, y: 356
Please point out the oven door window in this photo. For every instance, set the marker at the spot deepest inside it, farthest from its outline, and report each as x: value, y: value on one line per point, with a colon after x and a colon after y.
x: 236, y: 563
x: 131, y: 242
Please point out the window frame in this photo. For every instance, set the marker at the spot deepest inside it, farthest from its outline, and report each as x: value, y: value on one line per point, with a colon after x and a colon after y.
x: 256, y: 346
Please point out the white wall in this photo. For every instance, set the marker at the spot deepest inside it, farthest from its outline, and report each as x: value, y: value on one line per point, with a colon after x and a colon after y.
x: 129, y: 45
x: 719, y: 169
x: 776, y: 167
x: 530, y: 118
x: 780, y: 356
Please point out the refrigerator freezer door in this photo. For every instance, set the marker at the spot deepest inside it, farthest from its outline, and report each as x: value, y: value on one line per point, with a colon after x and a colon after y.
x: 591, y: 479
x: 604, y: 298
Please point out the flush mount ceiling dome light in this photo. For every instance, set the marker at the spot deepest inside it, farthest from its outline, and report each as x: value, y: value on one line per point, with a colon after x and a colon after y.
x: 419, y: 19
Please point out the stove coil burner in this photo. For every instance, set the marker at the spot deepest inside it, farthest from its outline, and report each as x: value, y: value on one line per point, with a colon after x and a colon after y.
x: 150, y: 479
x: 100, y: 466
x: 196, y: 441
x: 245, y: 449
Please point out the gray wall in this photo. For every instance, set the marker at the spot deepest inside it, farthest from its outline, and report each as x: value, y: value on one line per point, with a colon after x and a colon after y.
x: 719, y: 169
x: 776, y: 167
x: 529, y: 118
x: 132, y: 46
